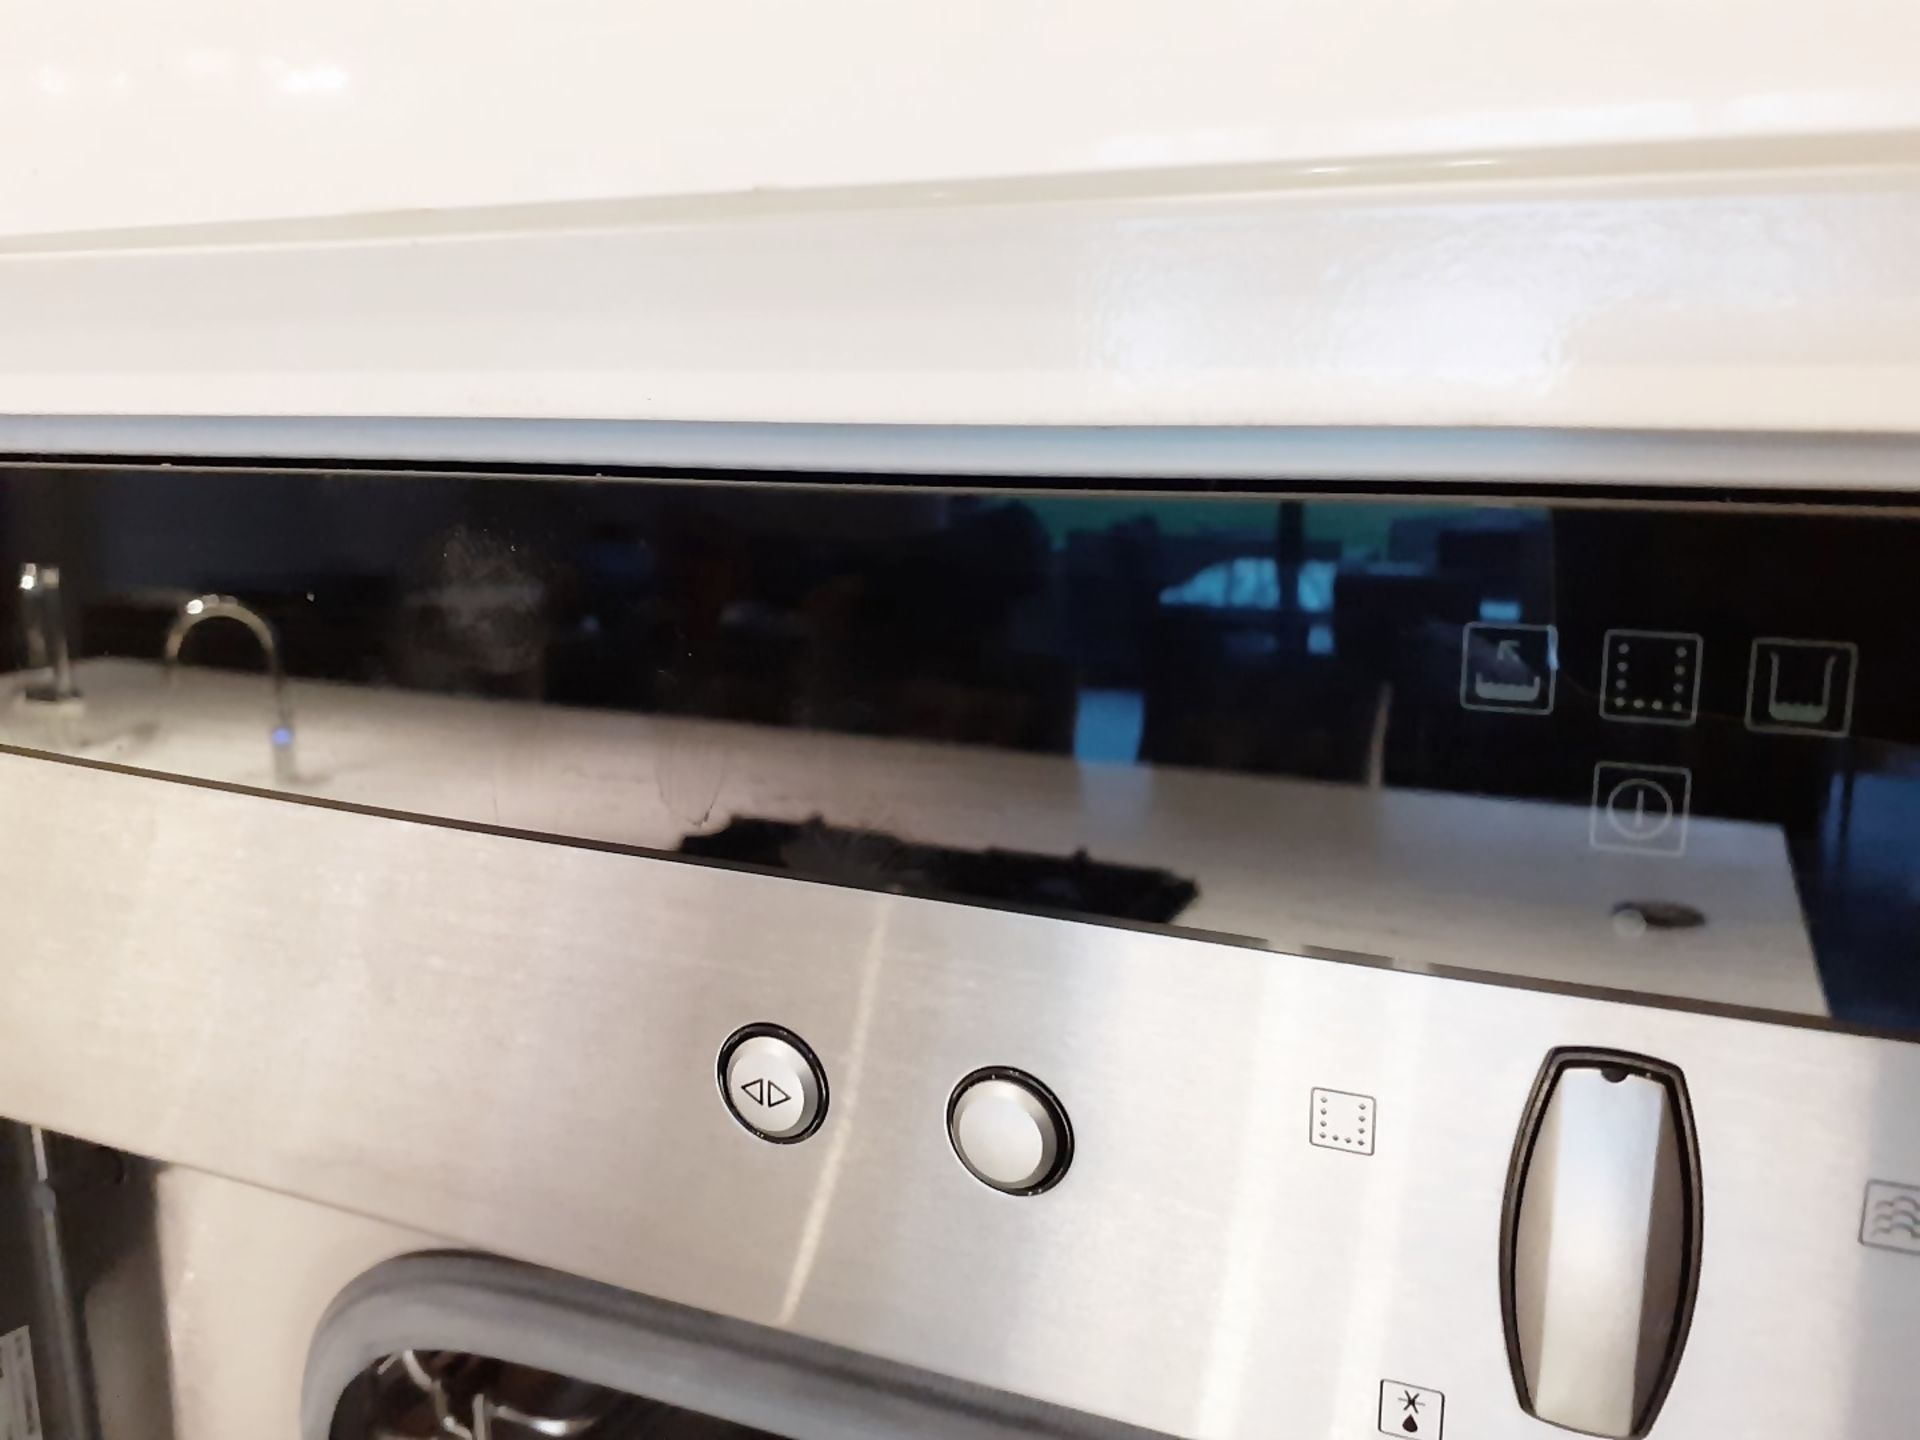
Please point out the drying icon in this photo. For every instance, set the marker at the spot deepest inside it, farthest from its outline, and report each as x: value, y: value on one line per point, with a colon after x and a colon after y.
x: 1890, y: 1218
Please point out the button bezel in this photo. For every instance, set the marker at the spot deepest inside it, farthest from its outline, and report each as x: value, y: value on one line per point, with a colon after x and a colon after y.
x: 777, y: 1032
x: 1063, y: 1149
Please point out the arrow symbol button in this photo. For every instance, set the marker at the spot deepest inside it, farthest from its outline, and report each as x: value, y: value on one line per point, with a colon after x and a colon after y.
x: 772, y: 1084
x: 765, y: 1092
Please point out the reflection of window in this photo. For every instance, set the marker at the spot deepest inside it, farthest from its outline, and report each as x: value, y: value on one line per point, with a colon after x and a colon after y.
x: 1247, y: 583
x: 1315, y: 588
x: 1252, y: 582
x: 1108, y: 725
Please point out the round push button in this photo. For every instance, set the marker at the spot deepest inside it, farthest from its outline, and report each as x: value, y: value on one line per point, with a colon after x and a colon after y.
x: 1009, y: 1131
x: 772, y: 1083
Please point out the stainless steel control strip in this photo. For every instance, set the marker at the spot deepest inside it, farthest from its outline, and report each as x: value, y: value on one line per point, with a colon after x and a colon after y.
x: 512, y: 1043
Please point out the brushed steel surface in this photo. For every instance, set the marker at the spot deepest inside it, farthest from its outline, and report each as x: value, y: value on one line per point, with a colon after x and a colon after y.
x: 247, y: 1275
x: 510, y: 1044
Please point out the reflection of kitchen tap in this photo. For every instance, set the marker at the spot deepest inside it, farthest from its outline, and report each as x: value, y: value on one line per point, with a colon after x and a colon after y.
x: 46, y: 632
x: 225, y: 607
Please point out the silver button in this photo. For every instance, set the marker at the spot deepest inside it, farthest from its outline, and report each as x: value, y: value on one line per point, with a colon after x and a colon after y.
x: 772, y: 1083
x: 1008, y: 1130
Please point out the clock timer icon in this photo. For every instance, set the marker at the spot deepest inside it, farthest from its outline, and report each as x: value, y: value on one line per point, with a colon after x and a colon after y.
x: 1639, y: 810
x: 1642, y: 808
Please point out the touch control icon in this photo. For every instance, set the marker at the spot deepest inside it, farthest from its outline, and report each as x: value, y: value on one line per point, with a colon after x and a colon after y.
x: 1342, y: 1120
x: 1642, y: 808
x: 1509, y: 667
x: 1802, y: 687
x: 1651, y: 677
x: 1890, y: 1217
x: 1411, y: 1410
x: 773, y: 1083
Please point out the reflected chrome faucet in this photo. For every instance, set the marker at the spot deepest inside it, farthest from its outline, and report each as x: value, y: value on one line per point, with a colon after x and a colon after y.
x: 46, y: 631
x: 225, y: 607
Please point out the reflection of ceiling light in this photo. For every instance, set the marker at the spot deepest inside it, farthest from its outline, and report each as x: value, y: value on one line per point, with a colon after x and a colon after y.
x: 1468, y: 163
x: 1328, y: 169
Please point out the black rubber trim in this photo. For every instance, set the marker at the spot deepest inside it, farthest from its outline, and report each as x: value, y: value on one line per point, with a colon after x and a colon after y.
x: 1063, y: 1157
x: 1557, y: 1063
x: 777, y: 1032
x: 769, y: 1380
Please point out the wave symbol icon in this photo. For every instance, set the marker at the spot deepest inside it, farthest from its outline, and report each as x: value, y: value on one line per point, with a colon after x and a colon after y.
x: 1892, y: 1218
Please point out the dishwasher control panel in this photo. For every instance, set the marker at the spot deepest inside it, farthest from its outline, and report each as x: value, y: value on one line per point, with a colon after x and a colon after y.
x: 1217, y: 959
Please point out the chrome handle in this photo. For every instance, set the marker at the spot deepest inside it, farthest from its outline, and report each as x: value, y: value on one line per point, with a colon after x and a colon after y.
x: 1601, y: 1235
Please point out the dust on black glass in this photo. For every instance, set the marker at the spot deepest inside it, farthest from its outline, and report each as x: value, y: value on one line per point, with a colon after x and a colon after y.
x: 1660, y: 727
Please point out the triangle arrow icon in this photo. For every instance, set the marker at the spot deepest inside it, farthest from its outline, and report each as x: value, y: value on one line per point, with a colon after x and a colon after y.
x: 775, y: 1095
x: 756, y: 1091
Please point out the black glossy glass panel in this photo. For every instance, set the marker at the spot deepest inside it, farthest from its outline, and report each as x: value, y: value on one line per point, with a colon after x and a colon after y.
x: 1658, y: 749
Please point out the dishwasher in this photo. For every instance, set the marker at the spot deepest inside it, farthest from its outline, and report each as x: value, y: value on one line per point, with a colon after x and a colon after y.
x: 510, y: 953
x: 742, y: 722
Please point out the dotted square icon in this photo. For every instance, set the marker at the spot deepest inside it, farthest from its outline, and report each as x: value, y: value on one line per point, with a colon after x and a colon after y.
x: 1651, y: 677
x: 1341, y: 1120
